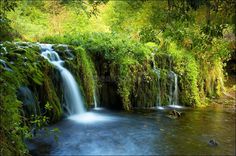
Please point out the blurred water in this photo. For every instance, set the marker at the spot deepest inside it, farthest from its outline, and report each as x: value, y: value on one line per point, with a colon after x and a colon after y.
x: 142, y: 133
x: 73, y: 100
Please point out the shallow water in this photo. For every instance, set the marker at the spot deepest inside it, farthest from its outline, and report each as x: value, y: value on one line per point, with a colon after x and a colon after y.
x: 142, y: 133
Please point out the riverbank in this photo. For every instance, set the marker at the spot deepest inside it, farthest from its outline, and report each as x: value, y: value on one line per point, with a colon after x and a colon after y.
x: 227, y: 100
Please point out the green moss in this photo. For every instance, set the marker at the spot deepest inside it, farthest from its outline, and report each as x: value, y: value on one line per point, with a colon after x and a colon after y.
x: 83, y: 69
x: 28, y: 69
x: 128, y: 65
x: 11, y: 132
x: 50, y: 95
x: 200, y: 71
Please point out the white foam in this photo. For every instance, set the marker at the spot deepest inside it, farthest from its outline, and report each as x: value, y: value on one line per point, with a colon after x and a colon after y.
x: 160, y: 107
x: 175, y: 106
x: 90, y: 117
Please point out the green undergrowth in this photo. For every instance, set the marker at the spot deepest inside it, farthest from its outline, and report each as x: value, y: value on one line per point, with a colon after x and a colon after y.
x: 117, y: 64
x: 23, y: 67
x: 130, y: 63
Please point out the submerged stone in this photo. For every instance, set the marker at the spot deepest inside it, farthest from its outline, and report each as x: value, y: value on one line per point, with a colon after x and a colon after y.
x: 213, y: 143
x: 174, y: 114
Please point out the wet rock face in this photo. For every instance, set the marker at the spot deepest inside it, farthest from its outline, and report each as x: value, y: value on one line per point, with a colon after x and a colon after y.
x: 64, y: 51
x: 108, y: 95
x: 25, y: 95
x: 29, y: 68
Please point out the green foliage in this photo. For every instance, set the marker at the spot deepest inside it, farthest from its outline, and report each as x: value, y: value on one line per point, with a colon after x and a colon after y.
x: 6, y: 31
x: 36, y: 19
x: 127, y: 37
x: 125, y: 57
x: 28, y: 68
x: 197, y: 78
x: 10, y: 119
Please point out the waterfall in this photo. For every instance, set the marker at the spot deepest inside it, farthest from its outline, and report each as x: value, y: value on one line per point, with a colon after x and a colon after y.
x: 173, y: 91
x: 72, y: 96
x: 158, y: 101
x: 157, y: 71
x: 95, y: 100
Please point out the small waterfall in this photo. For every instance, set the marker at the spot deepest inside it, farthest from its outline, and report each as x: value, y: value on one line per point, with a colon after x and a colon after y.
x: 173, y: 91
x: 72, y: 96
x: 95, y: 101
x: 158, y: 102
x: 158, y: 72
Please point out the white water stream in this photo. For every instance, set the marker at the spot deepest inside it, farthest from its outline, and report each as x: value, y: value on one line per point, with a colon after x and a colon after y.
x: 72, y: 96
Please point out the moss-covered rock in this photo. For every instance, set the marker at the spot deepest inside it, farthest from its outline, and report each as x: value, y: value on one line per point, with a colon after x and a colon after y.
x: 29, y: 69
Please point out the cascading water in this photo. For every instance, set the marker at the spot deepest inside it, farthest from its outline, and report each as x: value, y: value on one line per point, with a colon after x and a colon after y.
x: 157, y: 71
x: 173, y: 91
x: 158, y: 102
x: 72, y: 96
x: 95, y: 100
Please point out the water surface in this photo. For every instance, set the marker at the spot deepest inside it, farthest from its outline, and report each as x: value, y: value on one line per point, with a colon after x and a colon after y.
x: 142, y: 133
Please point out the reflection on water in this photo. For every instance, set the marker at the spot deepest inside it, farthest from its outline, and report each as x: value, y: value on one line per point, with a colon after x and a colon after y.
x: 145, y: 133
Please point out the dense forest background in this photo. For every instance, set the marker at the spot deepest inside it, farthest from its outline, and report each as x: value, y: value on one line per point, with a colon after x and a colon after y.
x: 141, y: 20
x: 122, y: 39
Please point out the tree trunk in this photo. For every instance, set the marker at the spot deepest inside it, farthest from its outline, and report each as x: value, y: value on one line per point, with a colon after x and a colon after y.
x: 208, y: 12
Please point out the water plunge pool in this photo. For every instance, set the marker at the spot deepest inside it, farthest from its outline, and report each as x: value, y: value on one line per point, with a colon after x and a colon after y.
x: 102, y: 132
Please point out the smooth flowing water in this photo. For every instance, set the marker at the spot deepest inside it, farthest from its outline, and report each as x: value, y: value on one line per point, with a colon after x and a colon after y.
x: 173, y: 91
x: 158, y: 73
x: 173, y: 87
x: 158, y: 103
x: 95, y: 101
x: 72, y: 96
x: 142, y: 133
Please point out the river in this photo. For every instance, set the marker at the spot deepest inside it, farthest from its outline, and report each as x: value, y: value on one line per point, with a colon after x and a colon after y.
x: 147, y: 132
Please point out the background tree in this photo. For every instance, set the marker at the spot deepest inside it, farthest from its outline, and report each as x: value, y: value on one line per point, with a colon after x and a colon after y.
x: 6, y: 32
